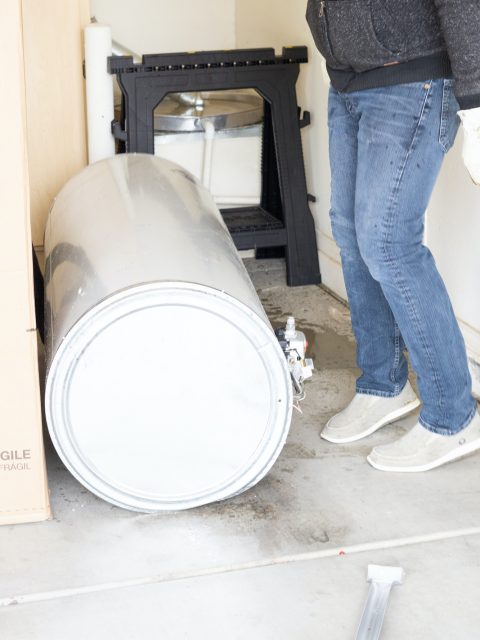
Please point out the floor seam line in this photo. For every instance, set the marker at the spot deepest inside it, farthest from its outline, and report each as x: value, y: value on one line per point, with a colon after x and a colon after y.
x: 238, y: 567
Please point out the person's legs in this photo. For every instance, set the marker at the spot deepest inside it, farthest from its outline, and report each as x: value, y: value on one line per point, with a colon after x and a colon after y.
x: 379, y: 343
x: 404, y: 132
x: 383, y: 394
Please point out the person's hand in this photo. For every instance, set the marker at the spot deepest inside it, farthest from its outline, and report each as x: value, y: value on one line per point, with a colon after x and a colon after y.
x: 471, y: 142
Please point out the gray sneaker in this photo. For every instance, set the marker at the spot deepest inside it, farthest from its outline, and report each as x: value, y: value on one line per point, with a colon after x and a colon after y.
x: 365, y: 414
x: 422, y: 450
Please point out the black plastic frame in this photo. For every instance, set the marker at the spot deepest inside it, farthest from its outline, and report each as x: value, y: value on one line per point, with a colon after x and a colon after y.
x: 284, y: 218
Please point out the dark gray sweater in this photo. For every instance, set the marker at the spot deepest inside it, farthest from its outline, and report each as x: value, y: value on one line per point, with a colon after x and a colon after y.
x: 371, y: 43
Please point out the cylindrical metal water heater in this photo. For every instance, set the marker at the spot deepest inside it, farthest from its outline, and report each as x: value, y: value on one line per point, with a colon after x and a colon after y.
x: 166, y: 386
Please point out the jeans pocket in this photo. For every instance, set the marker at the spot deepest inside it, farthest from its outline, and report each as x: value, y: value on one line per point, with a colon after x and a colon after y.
x: 449, y: 120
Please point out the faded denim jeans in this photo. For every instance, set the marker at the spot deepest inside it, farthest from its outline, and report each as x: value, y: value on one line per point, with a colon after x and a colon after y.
x: 386, y: 150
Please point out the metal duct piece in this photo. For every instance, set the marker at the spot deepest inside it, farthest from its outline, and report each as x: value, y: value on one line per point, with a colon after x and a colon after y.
x: 166, y: 386
x: 186, y: 112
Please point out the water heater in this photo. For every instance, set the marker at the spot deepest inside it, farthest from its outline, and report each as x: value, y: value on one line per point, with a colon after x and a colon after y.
x: 166, y: 385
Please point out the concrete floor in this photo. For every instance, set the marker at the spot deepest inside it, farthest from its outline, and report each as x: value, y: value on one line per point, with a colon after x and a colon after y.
x: 286, y: 560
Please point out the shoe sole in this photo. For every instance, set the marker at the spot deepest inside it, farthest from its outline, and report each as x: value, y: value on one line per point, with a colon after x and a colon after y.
x: 456, y: 454
x: 388, y: 419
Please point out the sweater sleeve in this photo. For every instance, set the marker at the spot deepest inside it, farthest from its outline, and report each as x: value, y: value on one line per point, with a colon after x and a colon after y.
x: 460, y: 22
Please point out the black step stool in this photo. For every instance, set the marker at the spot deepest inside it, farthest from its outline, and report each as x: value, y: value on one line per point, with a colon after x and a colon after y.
x: 283, y: 218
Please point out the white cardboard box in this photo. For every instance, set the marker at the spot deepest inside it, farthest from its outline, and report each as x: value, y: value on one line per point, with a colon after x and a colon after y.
x: 23, y: 482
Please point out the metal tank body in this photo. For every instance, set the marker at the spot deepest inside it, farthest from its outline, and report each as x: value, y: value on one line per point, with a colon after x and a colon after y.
x: 166, y: 386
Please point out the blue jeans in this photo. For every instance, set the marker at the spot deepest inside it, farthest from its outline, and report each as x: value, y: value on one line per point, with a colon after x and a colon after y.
x: 386, y: 149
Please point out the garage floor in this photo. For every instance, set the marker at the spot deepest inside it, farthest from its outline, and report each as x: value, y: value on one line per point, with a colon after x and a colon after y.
x: 286, y: 560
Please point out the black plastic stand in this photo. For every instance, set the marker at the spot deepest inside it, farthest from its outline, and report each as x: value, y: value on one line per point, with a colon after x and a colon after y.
x: 283, y: 218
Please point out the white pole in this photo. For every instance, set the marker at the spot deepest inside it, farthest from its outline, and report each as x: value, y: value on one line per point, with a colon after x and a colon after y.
x: 208, y: 154
x: 98, y: 47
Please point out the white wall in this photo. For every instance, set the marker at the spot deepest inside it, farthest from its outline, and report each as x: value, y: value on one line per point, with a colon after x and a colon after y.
x: 453, y: 234
x: 157, y: 26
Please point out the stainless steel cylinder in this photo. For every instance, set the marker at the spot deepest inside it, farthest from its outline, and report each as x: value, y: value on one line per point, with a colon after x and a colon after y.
x: 166, y: 387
